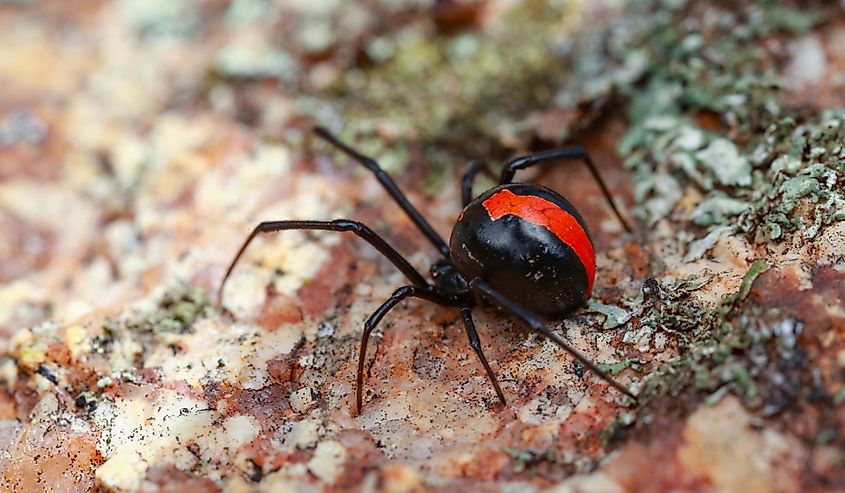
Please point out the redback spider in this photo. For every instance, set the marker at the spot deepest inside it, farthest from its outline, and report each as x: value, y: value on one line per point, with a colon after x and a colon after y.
x: 521, y: 247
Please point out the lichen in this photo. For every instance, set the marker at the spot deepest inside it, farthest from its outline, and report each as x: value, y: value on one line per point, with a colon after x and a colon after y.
x: 803, y: 186
x: 671, y: 307
x: 176, y: 312
x: 715, y: 343
x: 614, y: 315
x: 160, y: 17
x: 528, y: 459
x: 706, y: 114
x: 455, y: 96
x: 616, y: 368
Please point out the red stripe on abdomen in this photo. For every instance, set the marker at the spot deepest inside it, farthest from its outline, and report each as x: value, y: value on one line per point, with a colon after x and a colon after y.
x: 551, y: 216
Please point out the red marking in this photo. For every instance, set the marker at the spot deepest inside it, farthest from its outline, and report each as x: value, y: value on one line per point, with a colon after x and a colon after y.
x: 544, y: 213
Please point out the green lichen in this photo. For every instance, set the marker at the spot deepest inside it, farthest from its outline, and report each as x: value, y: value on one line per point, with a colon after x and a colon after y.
x: 803, y: 187
x: 718, y: 210
x: 758, y: 267
x: 757, y: 167
x: 715, y: 350
x: 722, y: 159
x: 616, y: 368
x: 614, y: 315
x: 671, y: 307
x: 160, y: 18
x: 699, y: 247
x: 457, y: 96
x: 528, y: 459
x: 176, y: 313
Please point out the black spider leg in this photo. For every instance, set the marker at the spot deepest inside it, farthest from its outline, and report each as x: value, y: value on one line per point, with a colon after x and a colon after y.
x: 534, y: 323
x: 572, y: 152
x: 391, y: 187
x: 475, y: 343
x: 340, y: 225
x: 469, y: 179
x: 400, y: 294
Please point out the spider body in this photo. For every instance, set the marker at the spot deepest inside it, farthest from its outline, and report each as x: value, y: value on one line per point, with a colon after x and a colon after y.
x: 520, y: 247
x: 528, y: 243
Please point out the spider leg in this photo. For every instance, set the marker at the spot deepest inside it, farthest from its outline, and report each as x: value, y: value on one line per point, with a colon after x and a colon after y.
x: 572, y: 152
x: 475, y: 343
x: 391, y: 187
x: 372, y: 322
x: 469, y: 178
x: 537, y: 325
x: 340, y: 225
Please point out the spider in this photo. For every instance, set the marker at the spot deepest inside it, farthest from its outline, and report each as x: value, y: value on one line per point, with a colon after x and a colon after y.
x: 520, y: 247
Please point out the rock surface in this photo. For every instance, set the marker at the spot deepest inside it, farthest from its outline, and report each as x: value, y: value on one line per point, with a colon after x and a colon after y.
x: 141, y: 140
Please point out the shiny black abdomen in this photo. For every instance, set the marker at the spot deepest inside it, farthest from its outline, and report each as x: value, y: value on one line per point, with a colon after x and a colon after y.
x: 526, y: 262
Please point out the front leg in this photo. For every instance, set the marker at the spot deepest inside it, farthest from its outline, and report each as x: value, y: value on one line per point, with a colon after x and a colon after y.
x: 338, y: 225
x: 372, y: 322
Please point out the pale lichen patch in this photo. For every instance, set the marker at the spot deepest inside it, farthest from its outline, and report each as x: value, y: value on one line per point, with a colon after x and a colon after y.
x: 240, y: 430
x: 235, y: 353
x: 146, y: 427
x: 303, y: 434
x: 328, y: 459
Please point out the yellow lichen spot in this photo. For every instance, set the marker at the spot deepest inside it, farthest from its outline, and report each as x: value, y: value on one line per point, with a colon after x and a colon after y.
x: 29, y: 351
x: 75, y: 340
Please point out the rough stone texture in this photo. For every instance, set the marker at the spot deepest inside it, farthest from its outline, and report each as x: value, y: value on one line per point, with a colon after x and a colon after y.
x: 141, y: 140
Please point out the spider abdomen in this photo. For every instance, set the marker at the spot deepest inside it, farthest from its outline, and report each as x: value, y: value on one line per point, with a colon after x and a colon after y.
x: 529, y: 243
